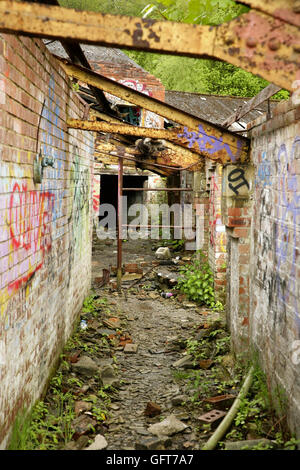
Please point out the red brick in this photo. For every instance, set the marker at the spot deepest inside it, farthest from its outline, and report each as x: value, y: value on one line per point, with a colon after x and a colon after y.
x: 234, y: 211
x: 240, y: 232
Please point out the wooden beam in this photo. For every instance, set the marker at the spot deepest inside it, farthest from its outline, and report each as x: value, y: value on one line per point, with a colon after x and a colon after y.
x: 211, y: 140
x: 265, y: 94
x: 258, y: 42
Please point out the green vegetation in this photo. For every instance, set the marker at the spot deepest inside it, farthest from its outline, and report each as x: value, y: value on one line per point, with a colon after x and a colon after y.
x: 197, y: 282
x: 183, y: 73
x: 262, y: 413
x: 49, y: 425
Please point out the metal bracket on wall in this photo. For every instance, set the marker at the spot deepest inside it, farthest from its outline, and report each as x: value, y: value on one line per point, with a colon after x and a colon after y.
x: 39, y: 164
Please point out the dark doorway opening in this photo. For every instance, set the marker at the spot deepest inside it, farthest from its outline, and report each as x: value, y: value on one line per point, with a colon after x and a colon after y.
x: 109, y: 190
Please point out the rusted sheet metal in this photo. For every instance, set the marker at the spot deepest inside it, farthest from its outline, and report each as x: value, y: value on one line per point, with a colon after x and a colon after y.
x: 266, y: 46
x: 285, y: 10
x: 173, y: 156
x: 256, y: 51
x: 265, y: 94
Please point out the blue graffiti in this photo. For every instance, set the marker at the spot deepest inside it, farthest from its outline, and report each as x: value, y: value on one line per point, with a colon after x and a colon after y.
x: 53, y: 146
x: 289, y: 203
x: 264, y: 172
x: 209, y: 143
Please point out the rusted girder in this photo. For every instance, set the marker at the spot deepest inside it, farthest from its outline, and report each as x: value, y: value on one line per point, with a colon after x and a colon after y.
x: 258, y: 42
x: 285, y: 10
x: 213, y: 141
x: 178, y: 136
x: 77, y: 56
x: 172, y: 157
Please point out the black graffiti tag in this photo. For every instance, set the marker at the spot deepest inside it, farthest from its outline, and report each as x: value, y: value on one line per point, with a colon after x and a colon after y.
x: 237, y: 176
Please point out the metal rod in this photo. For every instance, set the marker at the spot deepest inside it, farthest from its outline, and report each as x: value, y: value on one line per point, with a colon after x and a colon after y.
x: 157, y: 189
x: 158, y: 226
x: 119, y: 256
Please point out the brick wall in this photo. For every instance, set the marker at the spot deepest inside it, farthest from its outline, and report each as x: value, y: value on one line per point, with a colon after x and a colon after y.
x: 45, y: 234
x: 237, y: 192
x: 138, y: 79
x: 275, y: 261
x: 211, y: 236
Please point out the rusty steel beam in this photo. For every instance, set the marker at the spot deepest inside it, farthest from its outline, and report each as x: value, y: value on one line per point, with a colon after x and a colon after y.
x: 176, y: 136
x: 265, y: 45
x: 77, y: 56
x: 157, y: 189
x: 265, y: 94
x: 172, y: 158
x: 211, y: 140
x: 120, y: 235
x: 285, y: 10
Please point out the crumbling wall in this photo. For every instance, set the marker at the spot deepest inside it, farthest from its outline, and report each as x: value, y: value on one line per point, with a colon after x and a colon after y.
x: 45, y: 234
x: 275, y: 245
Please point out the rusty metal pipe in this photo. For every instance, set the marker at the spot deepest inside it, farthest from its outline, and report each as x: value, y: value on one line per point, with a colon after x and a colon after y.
x: 119, y: 256
x: 157, y: 189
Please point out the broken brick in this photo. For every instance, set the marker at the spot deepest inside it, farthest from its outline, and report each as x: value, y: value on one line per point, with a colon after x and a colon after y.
x: 221, y: 401
x: 205, y: 363
x: 212, y: 417
x: 131, y: 268
x: 152, y: 409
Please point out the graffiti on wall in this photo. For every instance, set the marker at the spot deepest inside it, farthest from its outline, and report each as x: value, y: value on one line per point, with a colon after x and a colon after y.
x: 217, y: 229
x: 215, y: 214
x: 32, y: 218
x: 96, y: 195
x: 278, y: 233
x: 29, y: 220
x: 53, y: 145
x: 264, y: 171
x: 237, y: 180
x: 288, y: 216
x: 209, y: 143
x: 78, y: 219
x: 147, y: 118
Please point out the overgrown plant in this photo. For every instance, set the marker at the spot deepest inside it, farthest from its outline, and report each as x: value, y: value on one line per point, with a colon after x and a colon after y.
x: 197, y: 283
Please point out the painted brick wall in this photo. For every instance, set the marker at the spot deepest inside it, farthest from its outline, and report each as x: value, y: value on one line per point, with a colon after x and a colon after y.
x: 237, y: 196
x: 212, y: 231
x: 45, y: 229
x: 139, y: 80
x: 275, y: 260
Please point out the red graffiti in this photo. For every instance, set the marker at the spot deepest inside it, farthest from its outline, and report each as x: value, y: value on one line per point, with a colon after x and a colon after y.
x: 96, y: 195
x: 96, y: 202
x: 215, y: 214
x: 30, y: 217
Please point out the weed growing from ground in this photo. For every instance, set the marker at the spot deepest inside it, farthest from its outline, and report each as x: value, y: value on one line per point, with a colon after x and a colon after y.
x: 197, y: 283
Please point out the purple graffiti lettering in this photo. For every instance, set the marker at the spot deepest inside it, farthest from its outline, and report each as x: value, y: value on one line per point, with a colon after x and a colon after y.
x: 289, y: 202
x: 264, y: 171
x: 209, y: 143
